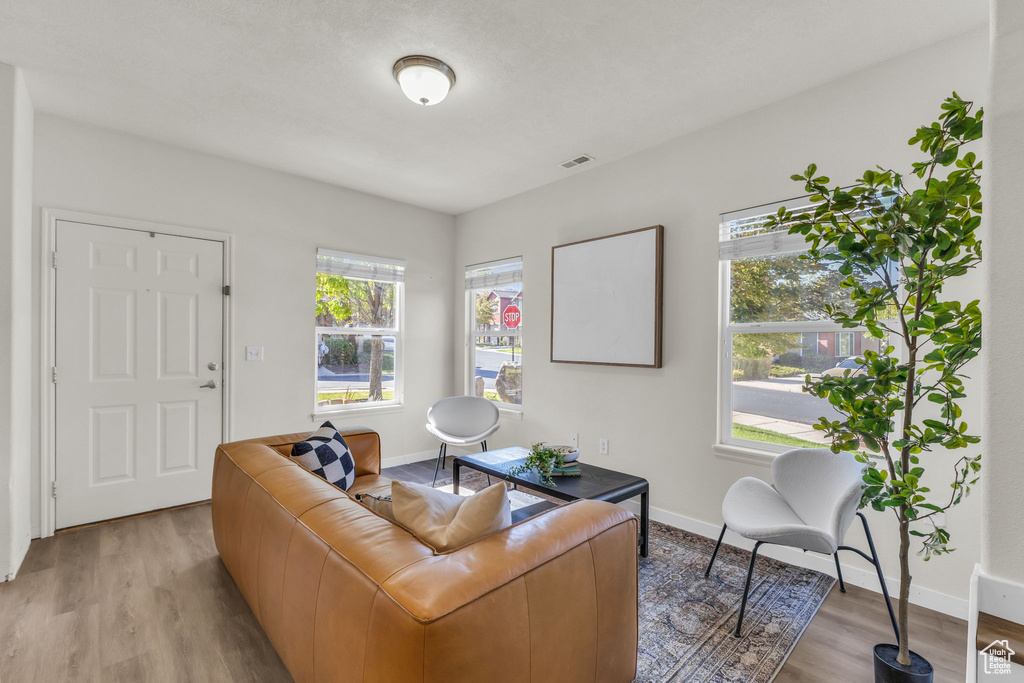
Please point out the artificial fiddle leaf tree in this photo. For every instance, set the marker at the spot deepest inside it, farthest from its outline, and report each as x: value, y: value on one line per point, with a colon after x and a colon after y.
x: 898, y: 242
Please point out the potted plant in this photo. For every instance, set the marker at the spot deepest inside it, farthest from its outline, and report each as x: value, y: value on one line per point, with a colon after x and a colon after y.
x: 542, y: 459
x: 899, y: 242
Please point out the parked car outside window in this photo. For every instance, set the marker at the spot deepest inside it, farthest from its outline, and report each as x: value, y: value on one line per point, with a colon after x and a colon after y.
x: 856, y: 368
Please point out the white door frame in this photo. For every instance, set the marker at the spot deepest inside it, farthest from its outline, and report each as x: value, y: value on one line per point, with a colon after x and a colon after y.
x: 47, y: 338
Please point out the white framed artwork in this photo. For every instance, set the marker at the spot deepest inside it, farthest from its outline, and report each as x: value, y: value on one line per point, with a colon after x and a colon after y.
x: 606, y: 299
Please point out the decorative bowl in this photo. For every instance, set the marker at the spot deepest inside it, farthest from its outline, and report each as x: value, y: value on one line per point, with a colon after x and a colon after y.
x: 569, y: 454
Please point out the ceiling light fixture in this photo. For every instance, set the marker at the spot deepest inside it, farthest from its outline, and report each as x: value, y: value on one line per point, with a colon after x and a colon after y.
x: 424, y: 80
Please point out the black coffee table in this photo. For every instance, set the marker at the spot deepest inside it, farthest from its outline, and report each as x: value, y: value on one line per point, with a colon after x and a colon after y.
x: 597, y: 483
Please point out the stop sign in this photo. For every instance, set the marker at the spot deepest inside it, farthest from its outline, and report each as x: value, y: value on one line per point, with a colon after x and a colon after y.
x: 512, y: 317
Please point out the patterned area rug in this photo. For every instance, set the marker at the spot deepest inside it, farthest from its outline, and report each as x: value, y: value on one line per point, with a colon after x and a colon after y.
x: 687, y: 621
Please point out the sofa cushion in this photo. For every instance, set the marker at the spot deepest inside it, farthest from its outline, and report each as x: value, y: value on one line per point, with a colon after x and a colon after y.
x: 380, y: 504
x: 371, y: 483
x: 326, y: 455
x: 445, y: 520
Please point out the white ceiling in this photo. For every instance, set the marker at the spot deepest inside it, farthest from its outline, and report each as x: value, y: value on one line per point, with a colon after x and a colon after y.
x: 305, y: 86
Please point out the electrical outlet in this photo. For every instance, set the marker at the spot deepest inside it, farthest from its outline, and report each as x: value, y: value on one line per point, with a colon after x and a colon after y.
x: 574, y: 439
x: 604, y: 446
x: 254, y: 353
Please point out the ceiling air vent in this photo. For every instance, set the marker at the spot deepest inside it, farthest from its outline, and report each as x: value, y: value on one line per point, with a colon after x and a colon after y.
x: 577, y: 161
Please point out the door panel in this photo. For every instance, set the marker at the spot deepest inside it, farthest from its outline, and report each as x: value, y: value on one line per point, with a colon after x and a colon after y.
x: 139, y: 320
x: 112, y: 447
x: 113, y: 331
x: 112, y: 256
x: 177, y: 335
x: 177, y: 437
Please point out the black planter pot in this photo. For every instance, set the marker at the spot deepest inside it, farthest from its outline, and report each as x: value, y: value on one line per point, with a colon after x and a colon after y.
x: 888, y: 670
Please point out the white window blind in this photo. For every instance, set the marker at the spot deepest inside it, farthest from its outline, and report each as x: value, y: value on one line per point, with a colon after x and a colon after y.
x: 360, y: 266
x: 744, y: 234
x: 494, y: 273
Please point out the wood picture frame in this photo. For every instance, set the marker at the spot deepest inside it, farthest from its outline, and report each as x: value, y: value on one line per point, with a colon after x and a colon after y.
x: 606, y: 299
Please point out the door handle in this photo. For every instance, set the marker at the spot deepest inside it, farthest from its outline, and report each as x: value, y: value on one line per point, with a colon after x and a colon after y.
x: 212, y: 384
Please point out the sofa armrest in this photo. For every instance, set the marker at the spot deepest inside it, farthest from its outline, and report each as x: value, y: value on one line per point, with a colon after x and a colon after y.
x: 364, y: 443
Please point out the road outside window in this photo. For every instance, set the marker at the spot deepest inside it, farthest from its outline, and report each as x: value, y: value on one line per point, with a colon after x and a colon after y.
x: 494, y: 296
x: 358, y: 335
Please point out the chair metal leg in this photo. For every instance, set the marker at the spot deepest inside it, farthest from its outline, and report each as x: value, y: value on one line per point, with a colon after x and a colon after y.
x: 873, y: 559
x: 881, y: 578
x: 440, y: 455
x: 483, y: 448
x: 444, y: 454
x: 839, y: 572
x: 746, y: 590
x: 707, y: 572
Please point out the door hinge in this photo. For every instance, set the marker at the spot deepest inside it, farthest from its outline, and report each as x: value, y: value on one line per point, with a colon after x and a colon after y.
x: 53, y: 261
x: 226, y: 290
x: 54, y: 489
x: 54, y: 375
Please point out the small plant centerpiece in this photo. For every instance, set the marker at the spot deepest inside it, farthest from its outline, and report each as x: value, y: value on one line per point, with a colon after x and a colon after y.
x: 898, y: 247
x: 542, y: 459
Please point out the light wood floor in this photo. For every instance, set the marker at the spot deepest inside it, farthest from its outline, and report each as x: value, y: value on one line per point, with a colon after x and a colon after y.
x: 148, y: 599
x: 144, y: 599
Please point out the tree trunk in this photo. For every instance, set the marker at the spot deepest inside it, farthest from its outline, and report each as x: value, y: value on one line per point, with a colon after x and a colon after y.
x: 908, y: 419
x: 376, y: 367
x: 375, y: 299
x: 905, y: 579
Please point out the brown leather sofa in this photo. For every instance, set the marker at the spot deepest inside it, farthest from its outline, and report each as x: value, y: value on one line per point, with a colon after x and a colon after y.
x: 346, y: 595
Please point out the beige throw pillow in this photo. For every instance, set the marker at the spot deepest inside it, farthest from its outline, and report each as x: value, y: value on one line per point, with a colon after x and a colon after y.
x: 445, y: 520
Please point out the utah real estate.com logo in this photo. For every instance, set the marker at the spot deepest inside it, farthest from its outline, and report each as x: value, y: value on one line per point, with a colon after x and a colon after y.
x: 996, y: 658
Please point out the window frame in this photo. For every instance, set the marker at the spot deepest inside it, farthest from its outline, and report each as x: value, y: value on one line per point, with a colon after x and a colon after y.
x: 471, y: 333
x: 726, y: 445
x: 396, y: 402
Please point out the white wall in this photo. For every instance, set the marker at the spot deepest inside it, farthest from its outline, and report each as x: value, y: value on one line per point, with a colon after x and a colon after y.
x: 661, y: 423
x: 16, y: 120
x: 278, y: 221
x: 1003, y: 553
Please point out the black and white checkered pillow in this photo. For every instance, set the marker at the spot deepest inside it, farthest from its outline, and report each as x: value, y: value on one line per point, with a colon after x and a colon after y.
x: 326, y: 455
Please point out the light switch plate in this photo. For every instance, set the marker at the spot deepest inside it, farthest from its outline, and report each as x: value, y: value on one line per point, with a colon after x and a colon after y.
x: 254, y: 353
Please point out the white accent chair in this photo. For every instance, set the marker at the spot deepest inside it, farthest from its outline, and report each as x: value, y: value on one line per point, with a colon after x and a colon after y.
x: 461, y: 421
x: 811, y: 506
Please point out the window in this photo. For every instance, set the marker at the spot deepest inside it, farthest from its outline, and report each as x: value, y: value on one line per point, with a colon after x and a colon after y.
x: 494, y: 314
x: 775, y: 331
x: 358, y: 341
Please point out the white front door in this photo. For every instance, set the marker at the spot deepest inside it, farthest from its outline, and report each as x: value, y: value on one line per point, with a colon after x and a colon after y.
x: 139, y: 330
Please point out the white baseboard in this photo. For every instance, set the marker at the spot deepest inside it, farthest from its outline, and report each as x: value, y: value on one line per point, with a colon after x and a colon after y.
x: 853, y: 575
x: 410, y: 458
x: 999, y: 597
x: 405, y: 459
